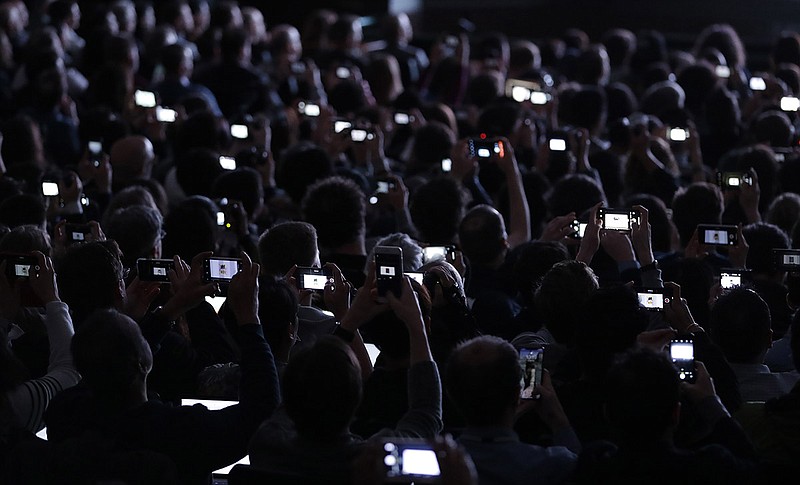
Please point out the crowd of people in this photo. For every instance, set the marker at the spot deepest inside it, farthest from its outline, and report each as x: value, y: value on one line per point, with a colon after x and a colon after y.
x: 608, y: 201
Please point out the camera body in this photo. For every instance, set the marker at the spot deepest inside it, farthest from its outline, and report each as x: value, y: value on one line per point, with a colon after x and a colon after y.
x: 409, y: 459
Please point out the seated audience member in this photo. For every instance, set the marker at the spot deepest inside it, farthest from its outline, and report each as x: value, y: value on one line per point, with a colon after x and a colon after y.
x: 114, y: 359
x: 437, y: 208
x: 131, y: 158
x: 773, y: 426
x: 138, y: 232
x: 740, y: 326
x: 284, y: 247
x: 178, y: 67
x: 322, y: 389
x: 23, y: 402
x: 643, y: 408
x: 484, y: 381
x: 336, y: 208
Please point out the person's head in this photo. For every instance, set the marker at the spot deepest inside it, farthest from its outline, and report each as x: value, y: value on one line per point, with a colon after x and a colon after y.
x: 437, y: 208
x: 25, y: 239
x: 177, y: 60
x: 483, y: 378
x: 235, y: 45
x: 191, y: 228
x: 300, y: 166
x: 90, y: 277
x: 773, y: 128
x: 483, y: 236
x: 112, y: 357
x: 663, y: 98
x: 612, y: 319
x: 322, y: 388
x: 138, y: 232
x: 384, y: 79
x: 131, y: 158
x: 388, y: 332
x: 593, y: 66
x: 741, y: 326
x: 345, y: 33
x: 643, y: 392
x: 725, y: 39
x: 412, y: 252
x: 347, y: 97
x: 335, y: 206
x: 560, y: 298
x: 762, y: 238
x: 242, y: 184
x: 202, y: 129
x: 23, y: 209
x: 620, y: 45
x: 433, y: 142
x: 574, y: 193
x: 698, y: 203
x: 588, y: 109
x: 397, y: 29
x: 524, y: 58
x: 534, y: 260
x: 196, y: 171
x: 287, y: 244
x: 127, y: 197
x: 784, y: 211
x: 786, y: 49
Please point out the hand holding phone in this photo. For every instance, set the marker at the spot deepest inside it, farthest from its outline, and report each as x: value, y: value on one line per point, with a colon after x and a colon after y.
x: 409, y: 459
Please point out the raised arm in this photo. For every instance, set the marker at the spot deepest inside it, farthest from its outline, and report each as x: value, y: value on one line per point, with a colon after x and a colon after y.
x: 519, y: 230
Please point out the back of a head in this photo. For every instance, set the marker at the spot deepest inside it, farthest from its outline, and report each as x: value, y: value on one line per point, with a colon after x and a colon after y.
x: 196, y: 171
x: 588, y: 108
x: 202, y: 129
x: 561, y: 297
x: 191, y: 228
x: 482, y: 234
x: 574, y: 193
x: 784, y: 211
x: 128, y: 197
x: 762, y: 238
x: 433, y: 142
x: 89, y: 277
x: 25, y: 239
x: 773, y: 128
x: 243, y: 184
x: 698, y: 203
x: 233, y: 41
x: 740, y: 325
x: 347, y: 97
x: 335, y: 207
x: 535, y: 259
x: 787, y: 49
x: 300, y: 166
x: 322, y: 388
x: 412, y: 252
x: 390, y: 334
x: 437, y: 209
x: 285, y: 245
x: 612, y: 319
x: 499, y: 119
x: 277, y: 308
x: 110, y: 353
x: 593, y: 66
x: 483, y: 379
x: 643, y: 391
x: 137, y: 231
x: 620, y: 45
x: 23, y: 209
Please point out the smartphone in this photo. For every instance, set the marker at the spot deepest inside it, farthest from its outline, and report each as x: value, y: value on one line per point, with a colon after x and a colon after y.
x: 144, y: 99
x: 758, y: 84
x: 95, y: 149
x: 77, y: 232
x: 787, y: 259
x: 166, y: 115
x: 654, y: 299
x: 733, y: 180
x: 435, y: 253
x: 402, y: 118
x: 416, y: 276
x: 723, y: 71
x: 20, y: 266
x: 521, y: 91
x: 485, y: 148
x: 617, y: 219
x: 154, y: 269
x: 717, y: 235
x: 578, y: 229
x: 240, y: 132
x: 790, y: 103
x: 49, y: 189
x: 220, y: 270
x: 312, y: 278
x: 557, y: 145
x: 308, y: 109
x: 341, y: 125
x: 447, y: 165
x: 730, y: 278
x: 227, y: 163
x: 407, y: 460
x: 384, y: 186
x: 681, y: 351
x: 359, y: 135
x: 530, y: 362
x: 678, y: 134
x: 389, y: 269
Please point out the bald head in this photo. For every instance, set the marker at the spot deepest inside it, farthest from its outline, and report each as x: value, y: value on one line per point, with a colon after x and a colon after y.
x: 131, y: 158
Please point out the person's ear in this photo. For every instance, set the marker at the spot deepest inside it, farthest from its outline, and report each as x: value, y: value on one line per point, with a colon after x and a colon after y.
x: 120, y: 294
